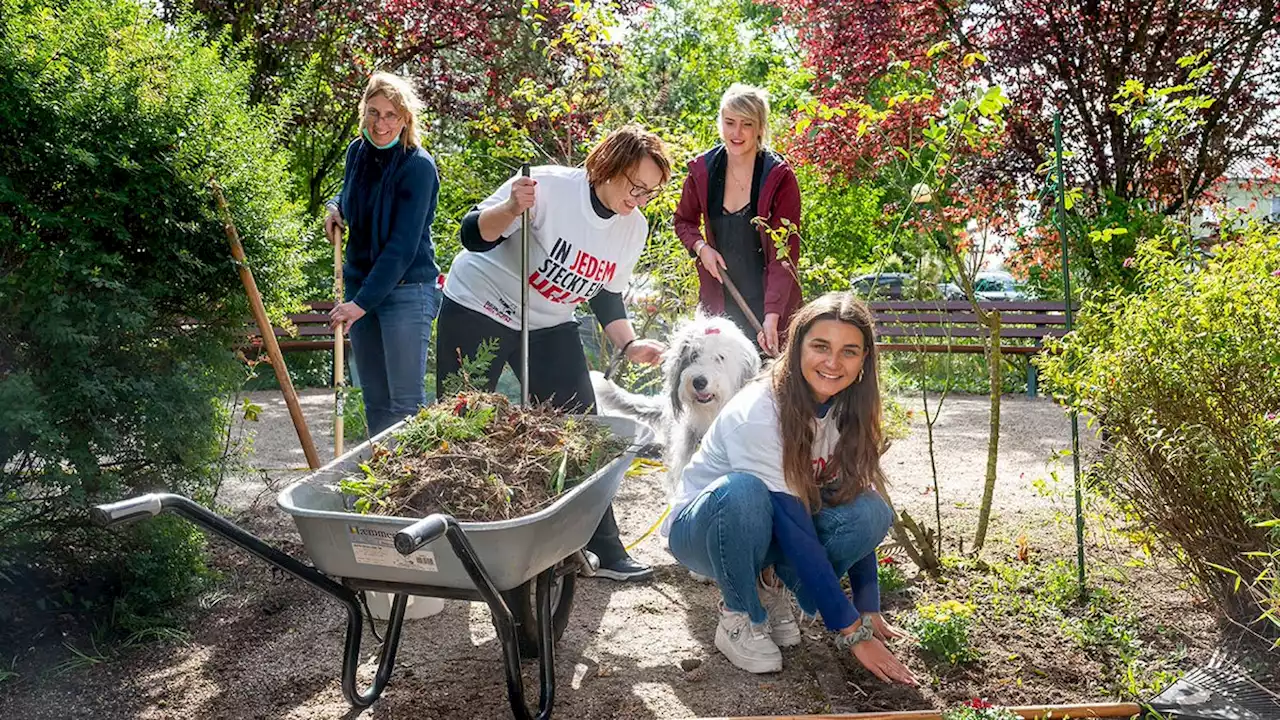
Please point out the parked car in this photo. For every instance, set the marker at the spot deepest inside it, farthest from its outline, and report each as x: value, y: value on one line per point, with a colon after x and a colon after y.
x: 992, y: 286
x: 882, y: 286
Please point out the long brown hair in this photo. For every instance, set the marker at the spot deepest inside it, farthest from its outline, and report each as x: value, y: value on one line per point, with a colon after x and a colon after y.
x: 856, y: 465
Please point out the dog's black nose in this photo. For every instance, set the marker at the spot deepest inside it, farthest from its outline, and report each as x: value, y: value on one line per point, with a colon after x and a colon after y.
x: 699, y: 383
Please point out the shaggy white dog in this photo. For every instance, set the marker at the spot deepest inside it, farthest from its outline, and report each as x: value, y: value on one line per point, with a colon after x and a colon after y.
x: 708, y: 361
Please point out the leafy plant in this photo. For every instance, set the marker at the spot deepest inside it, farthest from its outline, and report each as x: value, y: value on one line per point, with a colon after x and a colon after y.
x: 122, y: 305
x: 471, y: 376
x: 1184, y: 378
x: 943, y: 630
x: 889, y: 575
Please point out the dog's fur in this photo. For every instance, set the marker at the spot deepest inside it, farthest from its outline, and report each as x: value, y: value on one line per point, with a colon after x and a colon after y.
x: 708, y: 361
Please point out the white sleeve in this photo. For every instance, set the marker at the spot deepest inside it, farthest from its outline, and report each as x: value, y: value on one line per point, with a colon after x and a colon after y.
x: 756, y: 448
x: 625, y: 268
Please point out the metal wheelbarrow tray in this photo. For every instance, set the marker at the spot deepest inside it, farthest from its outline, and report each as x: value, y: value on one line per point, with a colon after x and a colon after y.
x: 523, y: 568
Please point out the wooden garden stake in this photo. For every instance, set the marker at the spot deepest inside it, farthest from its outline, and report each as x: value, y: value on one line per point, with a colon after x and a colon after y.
x: 264, y: 327
x: 339, y: 348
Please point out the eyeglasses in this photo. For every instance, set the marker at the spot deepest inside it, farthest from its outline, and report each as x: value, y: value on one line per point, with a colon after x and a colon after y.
x: 374, y: 116
x: 641, y: 192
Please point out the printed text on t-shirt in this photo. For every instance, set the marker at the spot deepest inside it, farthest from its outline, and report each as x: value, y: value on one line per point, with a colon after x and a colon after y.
x: 571, y: 277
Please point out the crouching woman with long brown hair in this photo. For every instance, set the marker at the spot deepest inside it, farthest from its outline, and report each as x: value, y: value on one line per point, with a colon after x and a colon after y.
x: 781, y: 497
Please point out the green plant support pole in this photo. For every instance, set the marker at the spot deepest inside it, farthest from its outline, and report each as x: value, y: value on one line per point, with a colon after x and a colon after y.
x: 1066, y: 292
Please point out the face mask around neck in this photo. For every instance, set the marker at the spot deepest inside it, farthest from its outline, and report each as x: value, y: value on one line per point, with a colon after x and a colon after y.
x: 388, y: 146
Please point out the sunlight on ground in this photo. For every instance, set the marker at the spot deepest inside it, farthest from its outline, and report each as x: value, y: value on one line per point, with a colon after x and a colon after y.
x: 661, y: 700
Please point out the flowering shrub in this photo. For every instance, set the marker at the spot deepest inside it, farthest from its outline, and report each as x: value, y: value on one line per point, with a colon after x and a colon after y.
x: 943, y: 630
x: 889, y: 574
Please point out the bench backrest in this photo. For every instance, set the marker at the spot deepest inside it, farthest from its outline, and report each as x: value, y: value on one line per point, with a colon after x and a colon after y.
x: 945, y: 319
x: 312, y: 330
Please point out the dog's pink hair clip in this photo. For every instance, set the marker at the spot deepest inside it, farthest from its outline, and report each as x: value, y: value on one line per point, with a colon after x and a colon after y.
x: 712, y: 331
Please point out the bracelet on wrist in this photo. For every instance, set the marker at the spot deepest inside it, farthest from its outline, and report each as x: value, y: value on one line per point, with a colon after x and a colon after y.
x: 864, y: 632
x: 623, y: 350
x: 697, y: 247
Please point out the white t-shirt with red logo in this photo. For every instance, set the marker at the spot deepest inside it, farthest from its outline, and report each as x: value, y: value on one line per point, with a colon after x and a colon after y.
x: 573, y: 254
x: 746, y: 437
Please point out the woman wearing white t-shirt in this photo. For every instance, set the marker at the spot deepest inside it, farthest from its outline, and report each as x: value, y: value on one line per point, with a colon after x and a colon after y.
x: 585, y: 237
x: 781, y: 495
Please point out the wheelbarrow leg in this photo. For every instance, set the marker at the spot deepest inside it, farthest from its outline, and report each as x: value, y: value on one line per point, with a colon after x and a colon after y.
x: 546, y: 653
x: 433, y: 526
x: 386, y: 659
x: 146, y: 506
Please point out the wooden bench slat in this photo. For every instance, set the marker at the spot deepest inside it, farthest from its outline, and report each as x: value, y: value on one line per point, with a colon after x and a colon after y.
x: 967, y: 318
x: 896, y: 331
x: 963, y: 349
x: 306, y: 331
x: 963, y: 305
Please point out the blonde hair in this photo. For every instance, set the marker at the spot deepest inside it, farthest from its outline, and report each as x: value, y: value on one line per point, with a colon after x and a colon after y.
x: 621, y: 150
x: 750, y: 102
x: 401, y: 94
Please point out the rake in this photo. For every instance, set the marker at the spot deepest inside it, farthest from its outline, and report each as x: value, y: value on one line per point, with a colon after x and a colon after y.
x: 1219, y: 690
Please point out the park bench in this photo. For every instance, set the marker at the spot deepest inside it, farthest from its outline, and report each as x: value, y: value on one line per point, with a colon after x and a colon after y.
x: 951, y: 326
x: 313, y: 331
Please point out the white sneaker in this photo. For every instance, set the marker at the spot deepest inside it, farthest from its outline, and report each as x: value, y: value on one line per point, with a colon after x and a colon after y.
x: 746, y: 645
x: 783, y: 629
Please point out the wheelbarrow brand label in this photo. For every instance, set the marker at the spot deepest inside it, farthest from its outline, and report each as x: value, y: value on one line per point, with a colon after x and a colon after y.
x: 377, y: 547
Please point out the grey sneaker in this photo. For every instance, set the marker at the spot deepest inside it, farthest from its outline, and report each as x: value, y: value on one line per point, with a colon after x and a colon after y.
x: 783, y: 628
x: 746, y: 645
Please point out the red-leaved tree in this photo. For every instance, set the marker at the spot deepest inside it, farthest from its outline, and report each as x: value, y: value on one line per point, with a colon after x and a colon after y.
x: 1073, y: 55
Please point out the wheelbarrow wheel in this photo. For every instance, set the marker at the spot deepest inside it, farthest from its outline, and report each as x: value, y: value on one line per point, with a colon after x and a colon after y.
x: 524, y: 609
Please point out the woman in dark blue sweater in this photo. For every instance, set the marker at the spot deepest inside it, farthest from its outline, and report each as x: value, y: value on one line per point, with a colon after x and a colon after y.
x: 388, y: 200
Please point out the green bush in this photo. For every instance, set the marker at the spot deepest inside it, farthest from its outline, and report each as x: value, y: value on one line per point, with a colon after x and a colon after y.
x: 1183, y: 376
x: 121, y: 300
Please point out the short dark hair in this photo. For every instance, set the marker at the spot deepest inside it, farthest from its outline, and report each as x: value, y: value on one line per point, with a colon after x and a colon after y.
x: 622, y: 149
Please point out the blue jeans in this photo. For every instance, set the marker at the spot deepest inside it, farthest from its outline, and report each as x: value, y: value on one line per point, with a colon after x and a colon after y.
x: 727, y: 533
x: 389, y: 345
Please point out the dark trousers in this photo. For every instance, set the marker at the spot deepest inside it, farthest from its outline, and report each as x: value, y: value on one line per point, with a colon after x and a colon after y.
x: 557, y: 374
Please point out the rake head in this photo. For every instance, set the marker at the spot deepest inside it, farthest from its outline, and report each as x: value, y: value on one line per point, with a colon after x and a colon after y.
x: 1217, y: 691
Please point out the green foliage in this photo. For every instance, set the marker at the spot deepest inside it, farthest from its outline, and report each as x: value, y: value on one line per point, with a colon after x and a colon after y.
x: 841, y: 230
x: 471, y: 375
x: 433, y: 427
x: 1184, y: 376
x: 943, y: 631
x: 889, y: 575
x: 121, y: 300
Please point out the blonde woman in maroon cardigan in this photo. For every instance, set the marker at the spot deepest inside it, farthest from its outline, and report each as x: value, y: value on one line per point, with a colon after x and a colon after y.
x: 726, y: 188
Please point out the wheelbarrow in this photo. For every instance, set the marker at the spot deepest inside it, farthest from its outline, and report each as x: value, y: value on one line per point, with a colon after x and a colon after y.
x: 524, y: 569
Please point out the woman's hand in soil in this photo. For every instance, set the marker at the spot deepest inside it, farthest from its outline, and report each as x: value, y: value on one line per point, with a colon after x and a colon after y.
x: 875, y: 657
x: 648, y: 352
x: 885, y: 630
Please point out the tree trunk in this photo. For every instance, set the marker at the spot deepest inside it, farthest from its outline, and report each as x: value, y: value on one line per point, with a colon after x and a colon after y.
x: 993, y: 443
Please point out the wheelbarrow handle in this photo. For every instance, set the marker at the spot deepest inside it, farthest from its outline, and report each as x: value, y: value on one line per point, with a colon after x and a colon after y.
x: 124, y: 511
x: 420, y: 533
